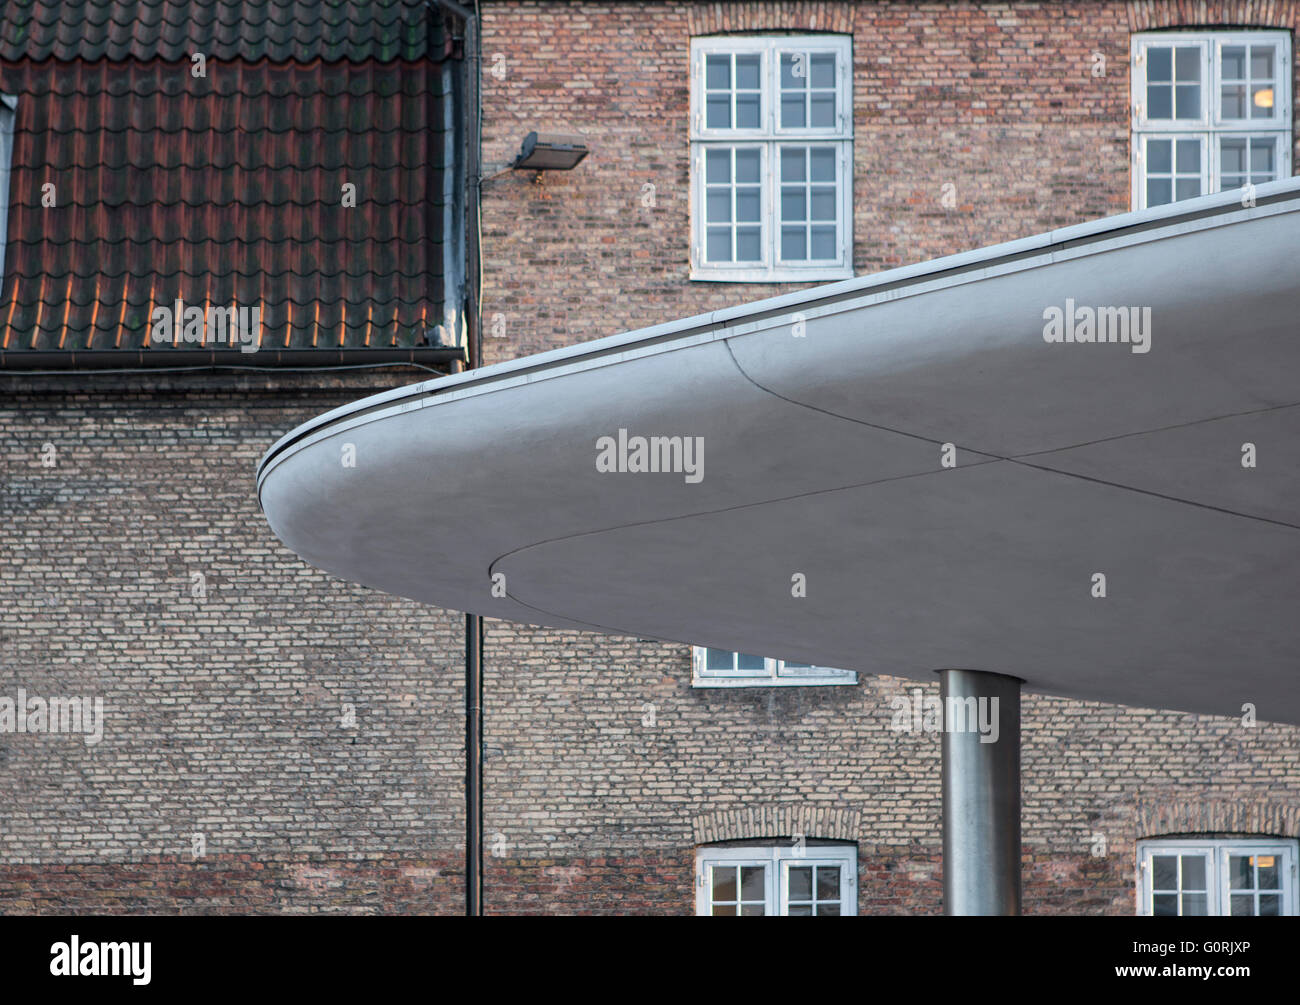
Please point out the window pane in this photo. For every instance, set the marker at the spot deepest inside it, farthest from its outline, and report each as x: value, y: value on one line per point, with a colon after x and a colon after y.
x: 717, y: 166
x: 719, y: 206
x: 794, y: 244
x: 823, y: 202
x: 800, y: 882
x: 794, y: 204
x: 800, y: 910
x: 747, y: 72
x: 1187, y: 63
x: 747, y: 205
x: 823, y: 242
x: 1261, y: 102
x: 1232, y: 160
x: 1243, y: 905
x: 1187, y: 188
x: 753, y: 882
x: 724, y: 882
x: 724, y: 910
x: 1193, y: 872
x: 792, y: 111
x: 1189, y: 101
x: 1160, y: 101
x: 1164, y: 872
x: 1233, y: 101
x: 1261, y: 62
x: 792, y: 163
x: 823, y: 110
x: 1159, y: 191
x: 717, y: 72
x: 823, y: 70
x: 794, y: 71
x: 753, y: 911
x: 1159, y: 63
x: 747, y: 111
x: 823, y: 164
x: 718, y: 659
x: 747, y: 662
x: 1233, y: 65
x: 718, y: 244
x: 828, y: 910
x: 748, y: 246
x: 718, y: 115
x: 747, y: 166
x: 1189, y: 156
x: 1268, y: 876
x: 1164, y: 905
x: 1160, y: 156
x: 828, y: 882
x: 1270, y: 905
x: 1194, y: 905
x: 1239, y: 873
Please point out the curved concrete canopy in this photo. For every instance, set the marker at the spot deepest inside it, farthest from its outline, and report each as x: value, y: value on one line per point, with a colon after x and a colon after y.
x: 822, y: 417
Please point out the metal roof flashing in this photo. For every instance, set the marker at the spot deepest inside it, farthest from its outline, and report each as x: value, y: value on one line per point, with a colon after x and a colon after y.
x: 1092, y: 237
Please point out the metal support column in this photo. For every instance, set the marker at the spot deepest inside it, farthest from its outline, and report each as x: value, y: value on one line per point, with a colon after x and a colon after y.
x: 981, y: 793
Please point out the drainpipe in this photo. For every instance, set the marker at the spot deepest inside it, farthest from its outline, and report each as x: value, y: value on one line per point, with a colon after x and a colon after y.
x: 474, y: 345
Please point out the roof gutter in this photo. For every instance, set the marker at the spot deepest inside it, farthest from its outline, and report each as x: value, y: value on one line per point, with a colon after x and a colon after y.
x: 151, y: 359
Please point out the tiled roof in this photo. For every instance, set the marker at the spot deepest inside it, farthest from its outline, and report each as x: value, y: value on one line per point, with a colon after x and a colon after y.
x: 383, y: 30
x: 224, y: 189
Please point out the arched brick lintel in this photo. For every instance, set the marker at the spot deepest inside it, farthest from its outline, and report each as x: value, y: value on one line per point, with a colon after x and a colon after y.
x: 755, y: 822
x: 1146, y: 15
x: 1158, y: 819
x: 719, y: 18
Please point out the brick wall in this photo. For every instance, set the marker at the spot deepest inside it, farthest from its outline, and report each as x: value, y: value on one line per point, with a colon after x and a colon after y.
x: 578, y: 769
x: 999, y: 100
x: 225, y: 716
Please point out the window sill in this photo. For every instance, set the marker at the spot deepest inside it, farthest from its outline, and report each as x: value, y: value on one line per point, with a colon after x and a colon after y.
x: 810, y: 681
x: 770, y: 275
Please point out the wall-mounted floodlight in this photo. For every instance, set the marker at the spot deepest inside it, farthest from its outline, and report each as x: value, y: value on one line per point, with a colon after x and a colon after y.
x: 551, y: 152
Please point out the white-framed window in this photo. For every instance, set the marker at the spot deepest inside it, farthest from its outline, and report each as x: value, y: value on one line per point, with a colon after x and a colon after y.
x: 771, y: 158
x: 795, y: 880
x: 1226, y: 876
x: 725, y: 668
x: 1211, y: 112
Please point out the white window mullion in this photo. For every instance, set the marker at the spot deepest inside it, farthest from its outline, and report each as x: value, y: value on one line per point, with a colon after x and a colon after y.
x: 774, y: 884
x: 769, y: 256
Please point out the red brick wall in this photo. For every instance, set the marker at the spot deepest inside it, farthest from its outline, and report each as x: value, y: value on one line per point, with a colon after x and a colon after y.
x: 618, y: 885
x: 237, y: 884
x: 998, y: 100
x: 224, y: 717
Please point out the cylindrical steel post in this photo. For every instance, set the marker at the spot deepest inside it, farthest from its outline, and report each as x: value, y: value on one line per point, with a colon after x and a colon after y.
x: 981, y: 792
